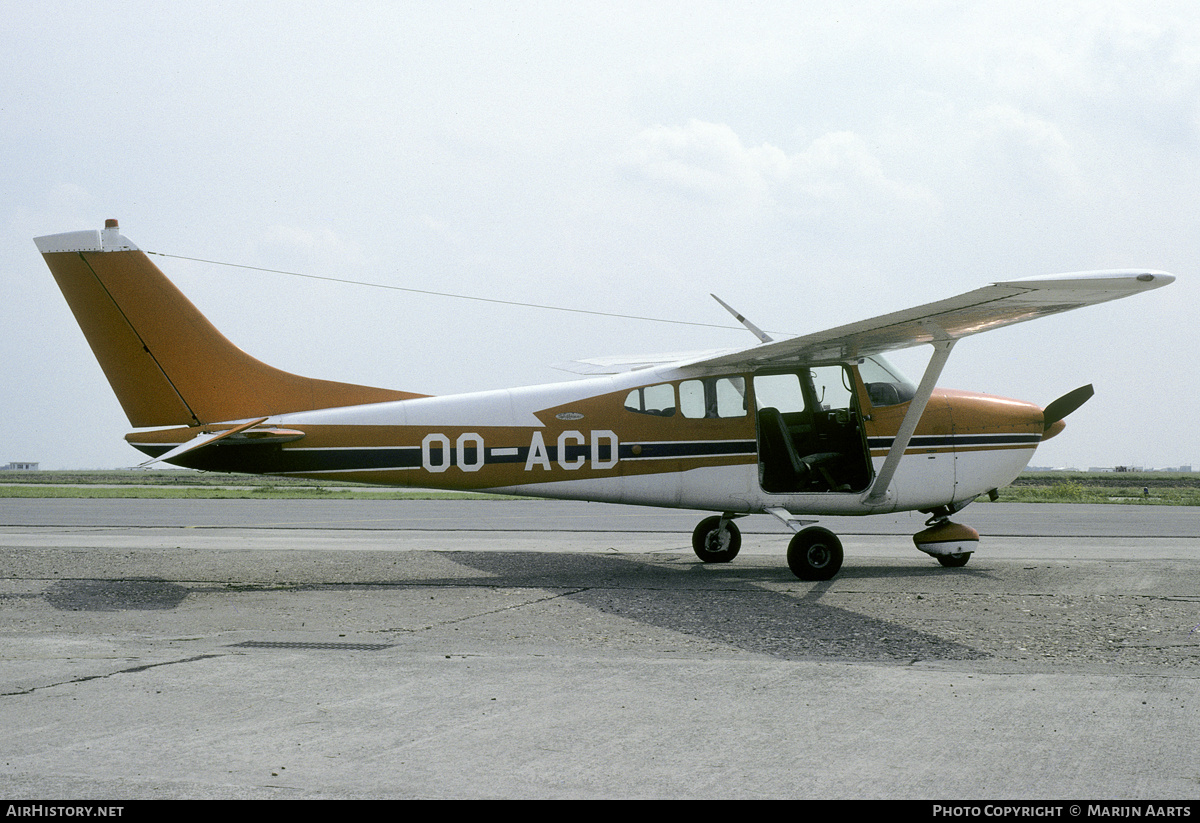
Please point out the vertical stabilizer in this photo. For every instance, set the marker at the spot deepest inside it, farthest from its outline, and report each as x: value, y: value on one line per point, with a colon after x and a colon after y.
x: 167, y: 364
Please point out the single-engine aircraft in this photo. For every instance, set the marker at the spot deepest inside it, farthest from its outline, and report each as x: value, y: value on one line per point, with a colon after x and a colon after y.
x: 820, y: 424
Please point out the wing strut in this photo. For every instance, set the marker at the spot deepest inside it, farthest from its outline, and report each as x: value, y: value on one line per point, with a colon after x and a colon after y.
x: 941, y: 353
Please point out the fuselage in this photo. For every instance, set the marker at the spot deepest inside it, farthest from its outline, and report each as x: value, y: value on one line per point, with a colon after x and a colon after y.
x: 658, y: 437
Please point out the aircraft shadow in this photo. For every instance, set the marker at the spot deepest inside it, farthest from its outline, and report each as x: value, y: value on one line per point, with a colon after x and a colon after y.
x: 726, y: 608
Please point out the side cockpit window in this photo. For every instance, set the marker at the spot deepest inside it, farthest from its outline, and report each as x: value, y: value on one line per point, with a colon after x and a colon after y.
x: 779, y: 391
x: 886, y: 386
x: 656, y: 400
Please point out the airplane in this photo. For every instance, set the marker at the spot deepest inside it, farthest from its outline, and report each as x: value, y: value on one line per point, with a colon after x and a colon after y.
x: 816, y: 425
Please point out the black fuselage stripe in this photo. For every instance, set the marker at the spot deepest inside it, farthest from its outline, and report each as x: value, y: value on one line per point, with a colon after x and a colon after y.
x: 274, y: 460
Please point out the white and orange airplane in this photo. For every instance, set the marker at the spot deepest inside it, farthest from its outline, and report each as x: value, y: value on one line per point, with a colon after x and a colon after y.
x: 820, y: 424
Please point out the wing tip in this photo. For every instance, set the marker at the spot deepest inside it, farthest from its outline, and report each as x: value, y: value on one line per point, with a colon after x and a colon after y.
x: 1123, y: 279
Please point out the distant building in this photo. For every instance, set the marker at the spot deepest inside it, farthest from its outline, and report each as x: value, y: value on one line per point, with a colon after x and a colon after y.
x: 21, y: 467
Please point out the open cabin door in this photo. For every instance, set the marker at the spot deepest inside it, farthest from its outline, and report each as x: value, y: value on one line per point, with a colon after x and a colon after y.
x: 810, y: 431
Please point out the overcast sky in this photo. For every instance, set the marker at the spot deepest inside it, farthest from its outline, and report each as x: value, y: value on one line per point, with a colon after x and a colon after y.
x: 811, y: 163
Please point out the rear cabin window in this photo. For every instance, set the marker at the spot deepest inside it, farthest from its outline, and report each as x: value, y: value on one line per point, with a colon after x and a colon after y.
x: 713, y: 397
x: 656, y: 400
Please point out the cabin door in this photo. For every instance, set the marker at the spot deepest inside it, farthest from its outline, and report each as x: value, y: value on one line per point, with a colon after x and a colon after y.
x: 810, y: 432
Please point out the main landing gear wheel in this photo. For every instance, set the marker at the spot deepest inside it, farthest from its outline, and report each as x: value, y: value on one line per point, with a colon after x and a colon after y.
x: 714, y: 544
x: 815, y: 554
x: 953, y: 561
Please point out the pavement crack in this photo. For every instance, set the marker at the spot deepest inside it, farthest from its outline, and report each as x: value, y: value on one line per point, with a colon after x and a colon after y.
x: 130, y: 670
x: 501, y: 609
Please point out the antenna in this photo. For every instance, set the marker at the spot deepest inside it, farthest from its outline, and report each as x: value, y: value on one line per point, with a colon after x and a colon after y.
x: 762, y: 336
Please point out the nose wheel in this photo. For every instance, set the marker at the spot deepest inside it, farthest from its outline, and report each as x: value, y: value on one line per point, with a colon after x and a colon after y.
x: 951, y: 543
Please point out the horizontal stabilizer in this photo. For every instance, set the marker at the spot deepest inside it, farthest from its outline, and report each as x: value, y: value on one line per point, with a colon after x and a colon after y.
x: 242, y: 434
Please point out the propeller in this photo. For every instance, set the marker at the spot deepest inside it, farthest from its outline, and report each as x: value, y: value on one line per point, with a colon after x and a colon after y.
x: 1069, y: 402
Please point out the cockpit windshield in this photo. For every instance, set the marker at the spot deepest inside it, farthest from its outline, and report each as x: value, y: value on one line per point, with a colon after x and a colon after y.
x: 886, y: 385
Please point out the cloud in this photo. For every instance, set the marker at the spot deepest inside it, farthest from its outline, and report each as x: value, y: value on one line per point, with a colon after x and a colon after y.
x: 706, y: 160
x: 1019, y: 146
x: 1108, y: 66
x: 709, y: 161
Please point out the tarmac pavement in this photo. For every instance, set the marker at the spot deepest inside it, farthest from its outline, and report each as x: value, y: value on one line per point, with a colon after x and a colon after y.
x: 465, y: 649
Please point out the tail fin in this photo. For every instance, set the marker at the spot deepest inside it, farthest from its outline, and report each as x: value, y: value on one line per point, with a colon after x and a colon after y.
x: 167, y: 364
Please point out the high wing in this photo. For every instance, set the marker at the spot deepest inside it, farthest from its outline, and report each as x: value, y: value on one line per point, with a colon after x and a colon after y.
x: 621, y: 364
x: 991, y: 307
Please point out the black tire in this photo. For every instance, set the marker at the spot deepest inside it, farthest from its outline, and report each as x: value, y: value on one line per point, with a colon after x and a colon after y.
x: 954, y: 561
x: 713, y: 544
x: 815, y: 554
